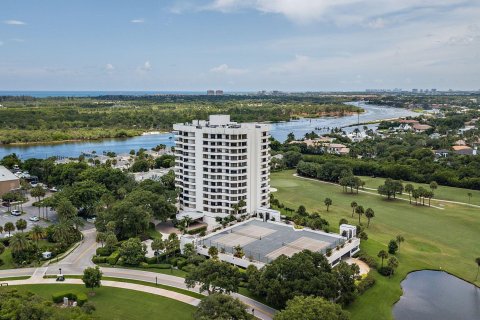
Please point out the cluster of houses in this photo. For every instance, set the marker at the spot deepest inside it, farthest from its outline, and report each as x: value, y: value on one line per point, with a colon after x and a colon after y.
x: 326, y: 143
x: 412, y: 125
x: 123, y: 161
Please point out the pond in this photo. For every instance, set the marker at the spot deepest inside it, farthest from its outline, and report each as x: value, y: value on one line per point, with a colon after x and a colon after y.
x: 436, y: 295
x: 279, y: 131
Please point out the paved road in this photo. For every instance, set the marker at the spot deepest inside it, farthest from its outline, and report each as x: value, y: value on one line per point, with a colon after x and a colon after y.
x: 80, y: 258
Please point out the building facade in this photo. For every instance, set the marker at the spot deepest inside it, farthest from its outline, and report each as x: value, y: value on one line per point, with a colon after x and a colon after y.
x: 219, y: 163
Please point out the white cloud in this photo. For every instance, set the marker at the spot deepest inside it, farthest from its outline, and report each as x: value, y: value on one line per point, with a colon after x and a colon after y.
x: 109, y: 67
x: 137, y: 21
x: 225, y: 69
x: 376, y: 23
x: 342, y: 12
x: 146, y: 67
x: 14, y: 22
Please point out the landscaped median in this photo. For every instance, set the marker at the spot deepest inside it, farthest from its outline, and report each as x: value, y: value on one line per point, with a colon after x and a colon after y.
x: 122, y: 301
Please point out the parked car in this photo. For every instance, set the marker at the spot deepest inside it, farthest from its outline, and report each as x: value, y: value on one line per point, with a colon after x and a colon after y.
x: 34, y: 219
x: 53, y: 189
x: 16, y: 212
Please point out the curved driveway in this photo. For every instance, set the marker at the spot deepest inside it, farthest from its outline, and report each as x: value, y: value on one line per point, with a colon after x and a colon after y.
x: 80, y: 258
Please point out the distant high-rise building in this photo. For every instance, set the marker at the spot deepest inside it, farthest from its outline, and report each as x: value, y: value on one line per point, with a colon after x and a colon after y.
x: 219, y: 93
x: 210, y: 92
x: 414, y: 90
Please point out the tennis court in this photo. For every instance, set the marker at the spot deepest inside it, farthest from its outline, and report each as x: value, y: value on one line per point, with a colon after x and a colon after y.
x: 303, y: 243
x: 244, y: 235
x: 265, y: 241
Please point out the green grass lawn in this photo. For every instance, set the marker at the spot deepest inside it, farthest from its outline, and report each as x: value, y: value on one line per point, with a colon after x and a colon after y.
x: 172, y: 272
x: 122, y: 304
x: 435, y: 239
x: 445, y: 193
x: 7, y: 259
x: 143, y: 283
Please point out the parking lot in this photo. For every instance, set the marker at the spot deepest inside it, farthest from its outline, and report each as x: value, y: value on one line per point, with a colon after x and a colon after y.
x: 29, y: 211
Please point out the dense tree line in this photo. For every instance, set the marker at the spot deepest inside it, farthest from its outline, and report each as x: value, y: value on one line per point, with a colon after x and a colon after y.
x: 460, y: 171
x: 304, y: 274
x: 121, y: 116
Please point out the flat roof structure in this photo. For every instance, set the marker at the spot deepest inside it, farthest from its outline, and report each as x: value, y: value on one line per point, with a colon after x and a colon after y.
x: 6, y: 175
x: 265, y: 241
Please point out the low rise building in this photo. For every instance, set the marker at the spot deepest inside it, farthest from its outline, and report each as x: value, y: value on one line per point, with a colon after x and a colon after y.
x: 8, y: 181
x: 419, y: 128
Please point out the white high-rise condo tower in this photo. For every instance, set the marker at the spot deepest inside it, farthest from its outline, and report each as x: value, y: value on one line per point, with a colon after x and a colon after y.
x: 219, y: 163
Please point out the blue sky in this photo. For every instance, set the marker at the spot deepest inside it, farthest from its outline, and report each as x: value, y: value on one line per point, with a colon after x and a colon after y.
x: 239, y: 45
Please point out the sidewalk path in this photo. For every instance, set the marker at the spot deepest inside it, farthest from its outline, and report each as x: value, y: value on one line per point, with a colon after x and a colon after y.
x: 115, y: 284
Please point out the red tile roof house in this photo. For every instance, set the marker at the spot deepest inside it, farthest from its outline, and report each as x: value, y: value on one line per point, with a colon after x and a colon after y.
x: 421, y: 127
x: 465, y: 150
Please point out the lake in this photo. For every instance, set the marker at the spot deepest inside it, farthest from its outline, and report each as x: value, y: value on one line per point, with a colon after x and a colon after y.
x: 436, y: 295
x: 279, y: 131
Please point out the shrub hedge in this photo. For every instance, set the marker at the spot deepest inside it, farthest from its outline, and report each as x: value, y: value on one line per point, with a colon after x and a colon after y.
x: 103, y: 251
x: 98, y: 259
x: 80, y: 297
x: 113, y: 258
x: 366, y: 283
x: 197, y: 230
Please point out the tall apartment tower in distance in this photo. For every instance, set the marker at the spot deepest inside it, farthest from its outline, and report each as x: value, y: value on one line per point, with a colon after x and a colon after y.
x: 219, y: 163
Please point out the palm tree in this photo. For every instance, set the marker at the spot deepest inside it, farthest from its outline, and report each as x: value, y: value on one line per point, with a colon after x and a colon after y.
x: 369, y: 214
x: 328, y: 202
x: 187, y: 221
x: 409, y: 188
x: 416, y: 195
x: 353, y: 205
x: 429, y: 195
x: 157, y: 245
x: 477, y: 260
x: 21, y: 224
x: 37, y: 233
x: 62, y: 232
x: 238, y: 206
x: 359, y: 210
x: 9, y: 227
x: 213, y: 252
x: 433, y: 185
x: 399, y: 240
x: 38, y: 192
x: 19, y: 242
x: 100, y: 238
x: 392, y: 264
x: 238, y: 251
x: 383, y: 255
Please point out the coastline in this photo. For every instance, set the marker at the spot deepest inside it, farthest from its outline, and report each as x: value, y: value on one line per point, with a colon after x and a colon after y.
x: 149, y: 133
